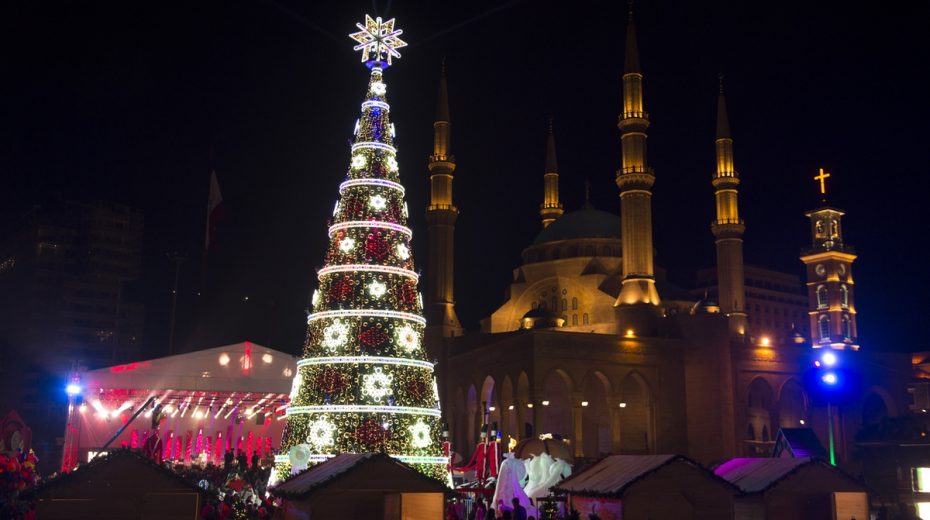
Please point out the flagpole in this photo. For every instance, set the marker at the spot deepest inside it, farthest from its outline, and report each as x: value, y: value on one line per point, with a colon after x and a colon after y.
x: 178, y: 259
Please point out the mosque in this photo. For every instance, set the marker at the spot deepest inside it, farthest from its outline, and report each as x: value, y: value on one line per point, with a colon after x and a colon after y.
x: 594, y: 343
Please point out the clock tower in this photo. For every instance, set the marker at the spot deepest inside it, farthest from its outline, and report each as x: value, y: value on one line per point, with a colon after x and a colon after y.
x: 830, y: 284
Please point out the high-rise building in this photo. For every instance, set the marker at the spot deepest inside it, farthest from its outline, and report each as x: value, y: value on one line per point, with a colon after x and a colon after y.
x: 66, y: 301
x: 64, y: 279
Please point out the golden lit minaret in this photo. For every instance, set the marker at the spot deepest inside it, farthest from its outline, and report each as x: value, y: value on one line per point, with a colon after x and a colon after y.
x: 728, y: 228
x: 635, y: 181
x: 551, y: 208
x: 829, y: 278
x: 441, y: 215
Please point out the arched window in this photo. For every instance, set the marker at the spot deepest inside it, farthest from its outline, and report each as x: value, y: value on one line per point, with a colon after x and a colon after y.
x: 824, y: 326
x: 847, y: 327
x: 821, y: 297
x: 584, y: 318
x: 564, y: 304
x: 574, y: 319
x: 844, y: 296
x: 574, y: 304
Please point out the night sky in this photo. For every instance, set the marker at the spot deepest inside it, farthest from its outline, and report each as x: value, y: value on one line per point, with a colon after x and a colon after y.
x: 124, y: 101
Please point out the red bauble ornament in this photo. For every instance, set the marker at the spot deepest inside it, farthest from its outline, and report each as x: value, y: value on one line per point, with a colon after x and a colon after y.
x: 407, y: 293
x: 331, y: 381
x: 340, y: 289
x: 372, y: 337
x: 376, y: 246
x: 371, y: 434
x: 417, y: 388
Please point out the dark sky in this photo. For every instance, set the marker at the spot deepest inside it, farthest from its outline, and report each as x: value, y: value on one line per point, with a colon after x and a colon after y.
x: 123, y: 101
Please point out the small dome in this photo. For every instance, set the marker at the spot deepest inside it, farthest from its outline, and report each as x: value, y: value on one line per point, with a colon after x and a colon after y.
x: 795, y: 336
x: 541, y: 318
x: 586, y: 222
x: 705, y: 306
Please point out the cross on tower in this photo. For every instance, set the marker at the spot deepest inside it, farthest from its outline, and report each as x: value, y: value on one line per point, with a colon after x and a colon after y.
x: 822, y: 178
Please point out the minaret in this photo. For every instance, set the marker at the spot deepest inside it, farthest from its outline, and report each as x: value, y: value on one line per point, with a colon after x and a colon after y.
x: 551, y: 208
x: 441, y: 215
x: 635, y: 181
x: 829, y: 278
x: 728, y: 228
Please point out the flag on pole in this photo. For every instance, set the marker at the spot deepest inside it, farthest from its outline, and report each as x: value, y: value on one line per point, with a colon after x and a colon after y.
x: 214, y: 211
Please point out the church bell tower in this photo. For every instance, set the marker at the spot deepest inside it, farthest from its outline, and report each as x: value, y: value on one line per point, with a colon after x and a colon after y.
x: 635, y: 181
x: 828, y: 263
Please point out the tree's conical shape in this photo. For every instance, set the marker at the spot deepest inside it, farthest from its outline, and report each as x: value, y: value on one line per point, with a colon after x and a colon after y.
x: 364, y: 383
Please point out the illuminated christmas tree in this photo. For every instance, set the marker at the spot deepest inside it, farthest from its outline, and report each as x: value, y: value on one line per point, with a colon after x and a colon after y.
x: 364, y: 383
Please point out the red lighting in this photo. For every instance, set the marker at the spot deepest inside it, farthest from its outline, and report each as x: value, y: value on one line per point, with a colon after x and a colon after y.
x: 129, y: 367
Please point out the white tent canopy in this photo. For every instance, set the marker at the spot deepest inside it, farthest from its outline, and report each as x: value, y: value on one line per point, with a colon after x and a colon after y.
x: 240, y: 367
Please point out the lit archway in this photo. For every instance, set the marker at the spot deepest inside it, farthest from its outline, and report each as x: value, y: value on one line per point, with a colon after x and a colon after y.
x: 556, y: 411
x: 792, y: 405
x: 635, y: 415
x: 595, y: 423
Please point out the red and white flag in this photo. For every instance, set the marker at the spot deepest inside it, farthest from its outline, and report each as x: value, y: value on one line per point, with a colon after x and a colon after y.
x: 214, y: 211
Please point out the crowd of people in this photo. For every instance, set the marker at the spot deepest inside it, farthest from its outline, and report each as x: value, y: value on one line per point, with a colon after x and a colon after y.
x: 479, y: 510
x: 236, y: 489
x: 17, y: 474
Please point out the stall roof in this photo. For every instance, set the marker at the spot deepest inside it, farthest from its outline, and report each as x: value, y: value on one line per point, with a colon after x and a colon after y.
x: 612, y: 475
x: 240, y: 367
x: 760, y: 475
x: 327, y: 472
x: 98, y: 469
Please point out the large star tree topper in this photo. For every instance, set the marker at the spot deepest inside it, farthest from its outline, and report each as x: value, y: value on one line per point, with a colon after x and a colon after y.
x: 378, y: 40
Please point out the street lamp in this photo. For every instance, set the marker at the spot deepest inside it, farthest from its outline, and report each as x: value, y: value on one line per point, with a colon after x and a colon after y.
x: 831, y: 381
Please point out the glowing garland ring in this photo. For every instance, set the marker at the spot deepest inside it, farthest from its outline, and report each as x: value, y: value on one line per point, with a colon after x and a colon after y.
x: 418, y: 459
x: 364, y: 359
x: 369, y: 224
x: 371, y: 182
x: 359, y: 408
x: 354, y: 313
x: 367, y: 267
x: 373, y: 144
x: 379, y: 104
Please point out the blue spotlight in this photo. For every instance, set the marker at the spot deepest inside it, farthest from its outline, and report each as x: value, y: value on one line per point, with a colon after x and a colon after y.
x: 828, y: 359
x: 829, y: 378
x: 73, y: 389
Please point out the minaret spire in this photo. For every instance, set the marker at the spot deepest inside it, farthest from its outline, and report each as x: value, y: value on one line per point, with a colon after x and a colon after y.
x: 635, y: 180
x: 631, y: 61
x: 441, y: 214
x: 728, y: 228
x: 551, y: 208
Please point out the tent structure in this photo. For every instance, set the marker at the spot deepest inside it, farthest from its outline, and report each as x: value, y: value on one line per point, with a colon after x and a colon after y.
x: 794, y: 488
x: 649, y: 486
x: 798, y: 443
x: 368, y: 485
x: 122, y: 484
x: 221, y: 398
